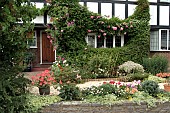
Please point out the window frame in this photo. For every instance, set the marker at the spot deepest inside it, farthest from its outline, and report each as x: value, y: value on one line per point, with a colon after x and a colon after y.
x: 95, y: 39
x: 167, y: 43
x: 34, y: 37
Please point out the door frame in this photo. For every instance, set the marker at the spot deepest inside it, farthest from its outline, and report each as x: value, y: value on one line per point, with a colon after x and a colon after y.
x: 41, y: 49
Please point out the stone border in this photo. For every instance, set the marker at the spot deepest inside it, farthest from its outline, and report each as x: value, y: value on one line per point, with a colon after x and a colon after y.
x: 126, y: 107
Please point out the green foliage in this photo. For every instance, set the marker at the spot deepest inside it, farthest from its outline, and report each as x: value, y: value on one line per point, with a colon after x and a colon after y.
x: 70, y: 92
x: 138, y: 76
x: 139, y: 97
x: 156, y: 64
x: 156, y: 79
x: 150, y: 87
x: 72, y: 21
x: 13, y: 43
x: 34, y: 102
x: 108, y: 99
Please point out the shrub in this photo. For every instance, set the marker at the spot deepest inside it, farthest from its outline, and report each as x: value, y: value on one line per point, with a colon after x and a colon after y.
x: 156, y: 64
x: 70, y: 92
x: 156, y: 79
x: 64, y: 72
x: 138, y: 76
x: 130, y: 67
x: 150, y: 87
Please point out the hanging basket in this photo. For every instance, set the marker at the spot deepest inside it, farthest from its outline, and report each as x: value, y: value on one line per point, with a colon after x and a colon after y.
x: 44, y: 90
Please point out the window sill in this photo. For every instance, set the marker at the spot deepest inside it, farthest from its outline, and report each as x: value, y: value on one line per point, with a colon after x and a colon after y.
x: 33, y: 47
x: 159, y: 50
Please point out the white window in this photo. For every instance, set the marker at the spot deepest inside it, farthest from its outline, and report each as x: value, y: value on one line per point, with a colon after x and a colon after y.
x: 108, y: 42
x: 32, y: 42
x: 160, y: 40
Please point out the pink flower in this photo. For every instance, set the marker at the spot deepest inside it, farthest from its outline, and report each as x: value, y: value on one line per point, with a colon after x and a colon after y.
x: 98, y: 16
x: 121, y: 28
x: 62, y: 30
x: 126, y: 26
x: 102, y: 22
x: 48, y: 36
x: 104, y: 34
x: 114, y: 28
x: 124, y: 33
x: 62, y: 59
x: 89, y: 31
x: 98, y: 36
x: 101, y: 31
x: 51, y: 41
x: 108, y: 26
x: 91, y: 17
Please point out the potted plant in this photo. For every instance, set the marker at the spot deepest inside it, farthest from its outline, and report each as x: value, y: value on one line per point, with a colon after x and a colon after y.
x: 167, y: 85
x: 167, y: 76
x: 43, y: 81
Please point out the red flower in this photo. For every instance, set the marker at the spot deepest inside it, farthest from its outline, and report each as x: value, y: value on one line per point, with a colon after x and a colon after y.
x: 104, y: 82
x: 60, y: 82
x: 112, y: 82
x: 118, y: 83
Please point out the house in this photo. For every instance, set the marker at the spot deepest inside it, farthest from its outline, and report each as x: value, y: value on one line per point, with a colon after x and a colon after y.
x: 159, y: 22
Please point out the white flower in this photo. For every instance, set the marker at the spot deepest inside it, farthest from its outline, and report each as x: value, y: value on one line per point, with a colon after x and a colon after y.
x: 64, y: 61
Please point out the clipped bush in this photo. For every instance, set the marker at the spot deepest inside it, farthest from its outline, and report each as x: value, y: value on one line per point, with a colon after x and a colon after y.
x: 156, y: 64
x: 130, y: 67
x: 138, y: 76
x: 70, y: 92
x: 150, y: 87
x: 156, y: 79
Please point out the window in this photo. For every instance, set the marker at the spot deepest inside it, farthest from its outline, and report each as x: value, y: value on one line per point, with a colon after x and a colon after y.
x: 160, y: 40
x: 32, y: 42
x: 108, y: 42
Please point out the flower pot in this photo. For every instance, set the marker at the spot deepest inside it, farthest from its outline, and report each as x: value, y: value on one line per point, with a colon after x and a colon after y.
x: 167, y: 87
x: 44, y: 90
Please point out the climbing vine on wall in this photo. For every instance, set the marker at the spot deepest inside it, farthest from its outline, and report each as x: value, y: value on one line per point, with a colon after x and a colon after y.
x: 71, y: 23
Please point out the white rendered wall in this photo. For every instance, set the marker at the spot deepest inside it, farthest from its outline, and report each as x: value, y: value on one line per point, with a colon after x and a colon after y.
x: 39, y: 19
x: 152, y: 0
x: 106, y: 9
x: 92, y: 6
x: 153, y: 15
x: 131, y: 9
x: 164, y: 15
x: 164, y: 0
x: 81, y: 3
x: 120, y: 11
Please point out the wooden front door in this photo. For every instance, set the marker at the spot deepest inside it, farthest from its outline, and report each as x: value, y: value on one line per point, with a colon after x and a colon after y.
x: 48, y: 55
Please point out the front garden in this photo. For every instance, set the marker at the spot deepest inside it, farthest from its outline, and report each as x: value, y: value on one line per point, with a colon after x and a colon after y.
x: 134, y: 77
x: 131, y: 84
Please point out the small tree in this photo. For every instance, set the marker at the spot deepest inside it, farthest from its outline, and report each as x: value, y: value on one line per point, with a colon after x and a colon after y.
x: 15, y: 24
